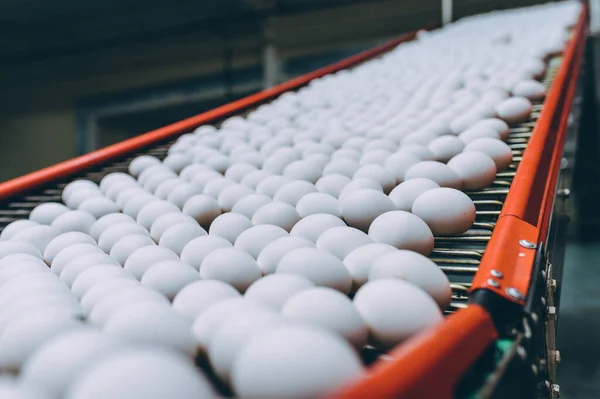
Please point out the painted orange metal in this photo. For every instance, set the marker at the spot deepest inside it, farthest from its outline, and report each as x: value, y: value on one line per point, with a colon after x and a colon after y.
x: 430, y: 364
x: 528, y: 206
x: 81, y: 163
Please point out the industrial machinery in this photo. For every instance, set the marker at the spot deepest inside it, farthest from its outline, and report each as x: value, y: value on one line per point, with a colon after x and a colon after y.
x: 498, y: 339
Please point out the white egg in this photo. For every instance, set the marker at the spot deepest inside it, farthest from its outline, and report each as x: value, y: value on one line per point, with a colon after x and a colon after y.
x: 229, y: 226
x: 8, y: 260
x: 342, y: 240
x: 402, y: 230
x: 21, y: 267
x: 255, y: 239
x: 135, y: 204
x: 202, y: 178
x: 106, y: 288
x: 445, y: 147
x: 14, y: 227
x: 220, y: 163
x: 83, y: 262
x: 73, y: 221
x: 476, y: 132
x: 156, y: 179
x: 166, y: 220
x: 530, y: 89
x: 38, y: 236
x: 166, y: 187
x: 63, y: 241
x: 94, y: 275
x: 476, y: 169
x: 178, y: 236
x: 374, y: 157
x: 117, y: 188
x: 302, y: 170
x: 149, y: 373
x: 311, y: 227
x: 152, y: 211
x: 46, y: 212
x: 325, y: 363
x: 395, y: 310
x: 293, y: 191
x: 499, y: 151
x: 332, y: 184
x: 232, y: 266
x: 183, y: 192
x: 319, y: 266
x: 438, y: 172
x: 361, y: 207
x: 514, y: 110
x: 269, y: 257
x: 405, y: 194
x: 116, y: 232
x: 419, y: 150
x: 359, y: 184
x: 169, y: 276
x: 145, y: 257
x: 112, y: 178
x: 77, y: 197
x: 278, y: 214
x: 141, y: 163
x: 271, y: 184
x: 107, y: 221
x: 314, y: 203
x: 495, y: 124
x: 199, y: 296
x: 248, y: 205
x: 215, y: 187
x: 415, y: 269
x: 231, y: 195
x: 111, y: 304
x: 13, y: 247
x: 399, y: 162
x: 69, y: 253
x: 379, y: 174
x: 274, y: 290
x: 203, y: 208
x: 77, y: 185
x: 238, y: 171
x: 446, y: 211
x: 360, y: 261
x: 253, y: 179
x: 343, y: 166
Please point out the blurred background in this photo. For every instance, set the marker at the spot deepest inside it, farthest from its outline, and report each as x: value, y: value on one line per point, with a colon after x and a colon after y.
x: 80, y: 75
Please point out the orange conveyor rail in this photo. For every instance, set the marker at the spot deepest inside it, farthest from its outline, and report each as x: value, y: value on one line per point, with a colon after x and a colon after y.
x: 431, y: 364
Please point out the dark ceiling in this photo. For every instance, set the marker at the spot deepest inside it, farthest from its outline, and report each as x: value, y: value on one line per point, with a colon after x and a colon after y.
x: 31, y: 30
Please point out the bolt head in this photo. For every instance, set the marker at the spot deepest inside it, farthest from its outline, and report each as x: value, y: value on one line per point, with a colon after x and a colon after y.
x: 493, y: 283
x: 496, y: 273
x: 527, y: 244
x: 515, y: 293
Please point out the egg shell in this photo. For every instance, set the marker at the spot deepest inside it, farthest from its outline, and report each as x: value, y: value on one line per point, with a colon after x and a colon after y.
x: 446, y: 211
x: 107, y: 221
x: 270, y: 185
x: 149, y: 373
x: 166, y: 220
x: 63, y: 241
x: 14, y: 227
x: 117, y: 188
x: 495, y: 124
x: 153, y: 210
x: 106, y: 288
x: 436, y: 171
x: 232, y: 266
x: 476, y: 169
x: 95, y: 274
x: 152, y: 183
x: 8, y: 248
x: 83, y: 262
x: 215, y: 187
x: 269, y: 257
x: 145, y: 257
x: 69, y: 253
x: 318, y: 266
x: 9, y: 259
x: 56, y: 304
x: 406, y: 192
x: 514, y: 110
x: 360, y: 261
x: 46, y: 212
x: 255, y: 239
x: 73, y: 221
x: 135, y: 204
x: 499, y: 151
x: 238, y: 171
x: 279, y: 214
x: 198, y: 248
x: 275, y: 289
x: 203, y: 208
x: 178, y: 236
x: 106, y: 307
x: 229, y: 226
x: 311, y: 227
x: 253, y: 179
x: 359, y: 184
x: 202, y: 178
x: 445, y: 147
x: 127, y: 245
x: 343, y: 166
x: 332, y: 184
x: 340, y: 241
x: 166, y: 187
x: 197, y: 297
x: 399, y: 162
x: 302, y: 170
x: 248, y: 205
x: 415, y: 269
x: 293, y: 191
x: 476, y: 132
x: 379, y: 174
x: 77, y: 197
x: 325, y: 363
x: 419, y: 150
x: 361, y: 207
x: 141, y: 163
x: 38, y: 236
x: 181, y: 193
x: 530, y: 89
x: 116, y: 232
x: 395, y: 310
x: 169, y: 277
x: 314, y: 203
x: 402, y: 230
x: 77, y: 185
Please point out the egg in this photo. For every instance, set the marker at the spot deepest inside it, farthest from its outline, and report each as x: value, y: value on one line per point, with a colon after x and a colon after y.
x: 146, y: 372
x: 178, y: 236
x: 112, y: 178
x: 200, y: 179
x: 116, y: 232
x: 361, y: 207
x: 302, y: 170
x: 197, y: 297
x: 166, y: 187
x: 379, y: 174
x: 415, y: 269
x: 312, y: 226
x: 104, y: 288
x: 181, y: 193
x: 203, y: 208
x: 405, y: 194
x: 446, y: 147
x: 8, y: 248
x: 274, y: 290
x: 220, y: 163
x: 499, y: 151
x: 495, y: 124
x: 153, y: 324
x: 395, y: 310
x: 198, y: 248
x: 318, y: 266
x: 111, y: 304
x: 293, y: 191
x: 152, y: 183
x: 169, y: 276
x: 73, y: 221
x: 68, y: 254
x: 530, y: 89
x: 232, y: 266
x: 253, y: 179
x: 9, y: 259
x: 14, y: 227
x: 150, y: 212
x: 248, y: 205
x: 440, y: 173
x: 255, y: 239
x: 118, y: 187
x: 359, y: 184
x: 279, y: 214
x: 269, y: 257
x: 314, y: 203
x: 399, y: 162
x: 476, y: 169
x: 133, y: 206
x: 332, y: 184
x: 38, y: 236
x: 402, y: 230
x: 360, y: 261
x: 61, y: 360
x: 145, y: 257
x: 329, y: 309
x: 324, y: 363
x: 46, y: 212
x: 451, y: 214
x: 166, y: 220
x: 232, y: 194
x: 514, y: 110
x: 343, y: 166
x: 107, y: 221
x: 57, y: 305
x: 141, y: 163
x: 271, y: 184
x: 342, y: 240
x: 477, y: 132
x: 77, y: 197
x: 95, y: 274
x: 419, y: 150
x: 215, y: 187
x: 83, y: 262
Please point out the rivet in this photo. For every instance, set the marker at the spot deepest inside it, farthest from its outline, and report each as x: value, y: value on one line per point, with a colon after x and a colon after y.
x: 555, y: 391
x: 527, y: 244
x: 493, y: 283
x: 496, y: 273
x: 515, y: 293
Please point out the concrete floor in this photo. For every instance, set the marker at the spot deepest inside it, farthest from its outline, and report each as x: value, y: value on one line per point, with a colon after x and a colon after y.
x: 579, y: 322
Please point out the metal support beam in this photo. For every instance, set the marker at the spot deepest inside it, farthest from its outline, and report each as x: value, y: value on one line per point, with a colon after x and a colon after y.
x: 271, y: 61
x: 446, y: 12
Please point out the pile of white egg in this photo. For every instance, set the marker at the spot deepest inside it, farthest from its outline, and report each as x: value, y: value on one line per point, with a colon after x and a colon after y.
x: 242, y: 245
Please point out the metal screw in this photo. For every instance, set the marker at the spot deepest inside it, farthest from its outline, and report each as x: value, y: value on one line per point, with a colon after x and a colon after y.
x: 515, y: 293
x: 552, y: 311
x: 553, y: 284
x: 563, y: 193
x: 557, y: 357
x: 496, y: 273
x: 493, y: 283
x: 555, y: 391
x: 527, y: 244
